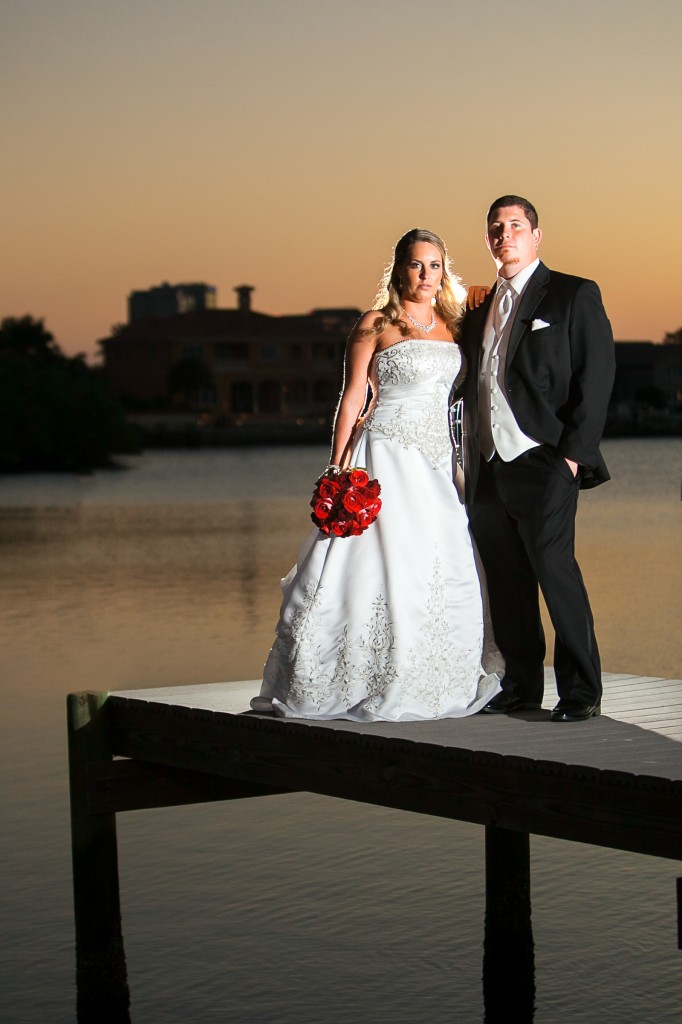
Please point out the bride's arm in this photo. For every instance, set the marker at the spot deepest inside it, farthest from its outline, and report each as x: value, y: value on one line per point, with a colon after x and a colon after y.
x: 476, y: 295
x: 359, y: 351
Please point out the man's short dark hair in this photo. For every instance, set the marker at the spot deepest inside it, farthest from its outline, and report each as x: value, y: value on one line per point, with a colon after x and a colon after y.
x: 528, y: 208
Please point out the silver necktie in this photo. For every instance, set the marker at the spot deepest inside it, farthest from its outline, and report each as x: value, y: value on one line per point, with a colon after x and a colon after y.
x: 503, y: 307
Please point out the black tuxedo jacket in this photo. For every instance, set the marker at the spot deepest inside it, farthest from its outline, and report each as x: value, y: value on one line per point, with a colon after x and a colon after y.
x: 558, y: 378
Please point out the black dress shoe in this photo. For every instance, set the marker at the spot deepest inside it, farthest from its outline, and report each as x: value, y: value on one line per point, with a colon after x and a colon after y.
x: 571, y: 711
x: 503, y: 703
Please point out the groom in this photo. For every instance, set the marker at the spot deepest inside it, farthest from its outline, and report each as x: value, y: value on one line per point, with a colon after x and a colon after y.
x: 541, y: 365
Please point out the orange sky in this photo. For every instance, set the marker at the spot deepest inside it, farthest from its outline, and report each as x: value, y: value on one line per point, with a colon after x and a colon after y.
x: 288, y: 145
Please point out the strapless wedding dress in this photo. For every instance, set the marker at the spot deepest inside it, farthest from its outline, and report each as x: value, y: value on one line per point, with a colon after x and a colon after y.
x: 392, y: 625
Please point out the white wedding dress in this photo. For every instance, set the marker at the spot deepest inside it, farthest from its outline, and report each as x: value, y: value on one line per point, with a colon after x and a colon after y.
x: 391, y: 625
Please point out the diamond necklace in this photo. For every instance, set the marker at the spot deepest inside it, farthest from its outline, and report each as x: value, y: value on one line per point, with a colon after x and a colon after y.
x: 425, y: 329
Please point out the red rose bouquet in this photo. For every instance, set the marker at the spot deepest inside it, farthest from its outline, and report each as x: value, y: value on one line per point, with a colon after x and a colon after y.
x: 345, y: 504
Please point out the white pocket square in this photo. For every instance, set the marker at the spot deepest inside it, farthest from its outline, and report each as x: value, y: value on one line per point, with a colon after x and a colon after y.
x: 537, y: 325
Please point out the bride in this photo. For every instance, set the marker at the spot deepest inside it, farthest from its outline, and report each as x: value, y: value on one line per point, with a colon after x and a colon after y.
x: 392, y: 625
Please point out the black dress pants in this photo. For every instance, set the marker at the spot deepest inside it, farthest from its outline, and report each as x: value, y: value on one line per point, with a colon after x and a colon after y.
x: 523, y: 520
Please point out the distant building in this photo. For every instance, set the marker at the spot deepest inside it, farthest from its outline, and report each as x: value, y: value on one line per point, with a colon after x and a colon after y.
x: 644, y: 369
x: 647, y: 391
x: 169, y: 300
x: 241, y: 367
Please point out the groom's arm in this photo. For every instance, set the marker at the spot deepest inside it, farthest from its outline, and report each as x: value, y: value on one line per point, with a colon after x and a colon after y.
x: 592, y: 374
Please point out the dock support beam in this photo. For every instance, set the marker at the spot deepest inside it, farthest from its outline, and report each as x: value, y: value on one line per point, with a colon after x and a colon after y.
x: 508, y: 949
x: 101, y: 976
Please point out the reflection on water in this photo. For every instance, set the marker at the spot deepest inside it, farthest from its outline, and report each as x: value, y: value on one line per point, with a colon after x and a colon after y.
x: 122, y: 589
x: 293, y: 908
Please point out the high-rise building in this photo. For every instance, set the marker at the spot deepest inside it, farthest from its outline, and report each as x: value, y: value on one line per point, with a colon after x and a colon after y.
x: 169, y: 300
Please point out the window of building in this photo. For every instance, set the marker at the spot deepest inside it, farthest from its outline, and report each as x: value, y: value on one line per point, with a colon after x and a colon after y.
x: 296, y: 395
x: 297, y: 352
x: 203, y: 398
x: 323, y: 392
x: 271, y: 352
x: 193, y: 352
x: 323, y: 352
x: 242, y: 396
x: 269, y: 396
x: 232, y: 353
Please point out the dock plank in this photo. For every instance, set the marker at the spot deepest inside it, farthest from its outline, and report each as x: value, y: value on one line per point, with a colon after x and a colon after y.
x: 615, y: 780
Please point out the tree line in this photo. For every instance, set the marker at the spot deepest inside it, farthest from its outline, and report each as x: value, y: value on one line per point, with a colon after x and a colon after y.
x: 56, y: 412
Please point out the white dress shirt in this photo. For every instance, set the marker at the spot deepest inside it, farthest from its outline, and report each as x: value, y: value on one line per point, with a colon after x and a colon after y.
x: 498, y: 430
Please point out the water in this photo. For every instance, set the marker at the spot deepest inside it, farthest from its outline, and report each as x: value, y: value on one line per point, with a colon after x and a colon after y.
x: 294, y: 909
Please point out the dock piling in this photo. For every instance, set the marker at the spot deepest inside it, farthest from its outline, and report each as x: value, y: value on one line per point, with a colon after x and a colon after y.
x: 508, y: 948
x: 101, y: 973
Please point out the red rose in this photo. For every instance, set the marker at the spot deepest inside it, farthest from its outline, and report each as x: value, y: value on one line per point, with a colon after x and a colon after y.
x: 358, y: 477
x: 323, y: 507
x: 353, y: 501
x: 364, y: 518
x: 328, y: 488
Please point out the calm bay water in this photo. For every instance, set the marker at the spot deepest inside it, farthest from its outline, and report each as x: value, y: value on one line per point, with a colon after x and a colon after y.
x: 294, y: 909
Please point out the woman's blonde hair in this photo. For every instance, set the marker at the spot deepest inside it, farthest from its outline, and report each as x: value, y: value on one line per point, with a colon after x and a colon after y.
x: 450, y: 298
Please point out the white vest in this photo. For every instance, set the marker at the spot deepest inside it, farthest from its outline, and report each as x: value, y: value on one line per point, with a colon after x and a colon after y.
x: 498, y: 430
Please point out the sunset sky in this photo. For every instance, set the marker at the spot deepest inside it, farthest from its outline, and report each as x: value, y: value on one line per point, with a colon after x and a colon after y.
x: 286, y: 144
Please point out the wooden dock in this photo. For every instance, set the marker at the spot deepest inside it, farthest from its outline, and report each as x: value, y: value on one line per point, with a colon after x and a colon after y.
x: 614, y: 781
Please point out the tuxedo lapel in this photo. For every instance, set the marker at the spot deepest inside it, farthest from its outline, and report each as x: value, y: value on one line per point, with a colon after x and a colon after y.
x: 534, y: 292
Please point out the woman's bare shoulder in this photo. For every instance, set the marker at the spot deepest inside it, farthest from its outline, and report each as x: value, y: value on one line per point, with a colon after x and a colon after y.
x: 370, y: 320
x: 368, y: 329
